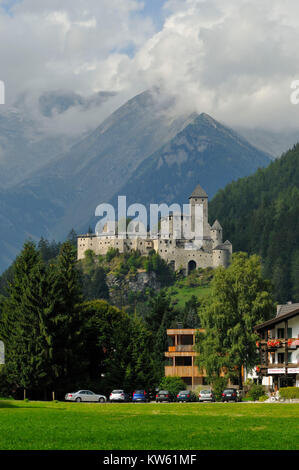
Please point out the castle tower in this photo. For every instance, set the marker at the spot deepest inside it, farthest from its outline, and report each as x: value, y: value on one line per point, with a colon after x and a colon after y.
x: 216, y: 233
x: 199, y: 198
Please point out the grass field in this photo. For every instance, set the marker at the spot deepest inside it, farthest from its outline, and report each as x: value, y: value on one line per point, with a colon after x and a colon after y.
x: 189, y: 426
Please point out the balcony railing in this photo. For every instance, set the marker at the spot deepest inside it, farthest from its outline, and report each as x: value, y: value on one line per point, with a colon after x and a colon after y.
x: 181, y: 348
x: 183, y: 371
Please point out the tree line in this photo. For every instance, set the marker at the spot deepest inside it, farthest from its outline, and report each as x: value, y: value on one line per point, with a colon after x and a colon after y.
x: 57, y: 339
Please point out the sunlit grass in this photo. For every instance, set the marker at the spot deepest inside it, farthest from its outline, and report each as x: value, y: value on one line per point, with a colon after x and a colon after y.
x: 74, y: 426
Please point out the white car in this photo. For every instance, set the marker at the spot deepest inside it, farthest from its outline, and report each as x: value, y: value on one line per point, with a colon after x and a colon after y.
x: 85, y: 395
x: 118, y: 395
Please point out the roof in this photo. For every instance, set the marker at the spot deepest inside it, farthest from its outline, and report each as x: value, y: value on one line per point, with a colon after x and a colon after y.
x: 289, y: 307
x: 222, y: 246
x: 198, y: 192
x: 216, y: 225
x: 284, y: 313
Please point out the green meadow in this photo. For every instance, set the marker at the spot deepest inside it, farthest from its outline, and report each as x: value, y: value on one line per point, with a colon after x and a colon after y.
x: 189, y: 426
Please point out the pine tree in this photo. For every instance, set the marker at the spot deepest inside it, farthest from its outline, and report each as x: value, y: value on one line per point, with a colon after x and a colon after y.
x: 22, y: 321
x: 64, y: 321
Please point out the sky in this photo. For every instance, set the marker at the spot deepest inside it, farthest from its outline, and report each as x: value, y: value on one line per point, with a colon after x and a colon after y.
x: 233, y: 59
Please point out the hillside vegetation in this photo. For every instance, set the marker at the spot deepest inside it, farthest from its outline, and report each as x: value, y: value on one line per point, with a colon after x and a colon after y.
x: 260, y: 214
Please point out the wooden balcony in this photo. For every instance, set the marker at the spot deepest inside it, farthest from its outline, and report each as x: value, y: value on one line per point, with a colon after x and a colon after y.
x: 181, y: 348
x: 182, y: 371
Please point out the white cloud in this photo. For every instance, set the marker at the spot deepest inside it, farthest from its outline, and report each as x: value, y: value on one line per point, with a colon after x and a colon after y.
x: 233, y: 59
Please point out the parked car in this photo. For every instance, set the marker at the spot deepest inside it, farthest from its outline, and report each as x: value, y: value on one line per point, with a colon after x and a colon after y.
x: 140, y: 395
x: 206, y: 395
x: 85, y: 395
x: 163, y: 395
x: 186, y: 396
x: 119, y: 396
x: 230, y: 394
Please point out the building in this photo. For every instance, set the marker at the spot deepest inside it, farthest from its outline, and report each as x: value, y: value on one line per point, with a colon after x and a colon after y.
x: 173, y: 241
x: 180, y: 357
x: 279, y: 348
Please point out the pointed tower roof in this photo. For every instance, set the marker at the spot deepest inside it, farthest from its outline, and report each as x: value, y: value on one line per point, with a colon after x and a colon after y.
x: 198, y: 192
x: 216, y: 225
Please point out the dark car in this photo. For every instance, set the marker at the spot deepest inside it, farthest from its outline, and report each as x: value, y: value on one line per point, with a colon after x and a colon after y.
x: 186, y: 396
x: 140, y: 396
x: 163, y: 395
x: 230, y: 394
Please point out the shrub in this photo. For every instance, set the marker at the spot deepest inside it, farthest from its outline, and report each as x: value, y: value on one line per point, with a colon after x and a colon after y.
x: 173, y: 384
x: 218, y: 385
x: 263, y: 398
x: 112, y: 253
x: 256, y: 391
x: 289, y: 392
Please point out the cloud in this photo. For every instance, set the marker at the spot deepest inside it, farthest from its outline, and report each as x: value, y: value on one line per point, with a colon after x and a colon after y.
x: 235, y: 60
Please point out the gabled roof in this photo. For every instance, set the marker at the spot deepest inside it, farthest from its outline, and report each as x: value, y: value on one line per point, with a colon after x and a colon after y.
x: 287, y: 312
x: 287, y: 308
x: 198, y: 192
x: 216, y: 225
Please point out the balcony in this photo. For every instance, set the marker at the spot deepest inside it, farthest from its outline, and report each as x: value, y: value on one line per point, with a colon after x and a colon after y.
x: 181, y: 348
x: 182, y: 371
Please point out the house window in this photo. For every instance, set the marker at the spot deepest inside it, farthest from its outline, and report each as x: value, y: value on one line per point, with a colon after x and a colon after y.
x: 183, y: 361
x: 280, y: 333
x: 281, y: 357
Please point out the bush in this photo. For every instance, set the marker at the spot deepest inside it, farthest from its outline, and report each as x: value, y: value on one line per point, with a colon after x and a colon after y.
x: 218, y: 385
x: 289, y: 392
x: 256, y: 391
x: 112, y: 253
x: 263, y: 398
x: 173, y: 384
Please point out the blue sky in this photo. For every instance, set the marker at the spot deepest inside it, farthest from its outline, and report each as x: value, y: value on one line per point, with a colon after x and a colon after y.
x: 154, y: 8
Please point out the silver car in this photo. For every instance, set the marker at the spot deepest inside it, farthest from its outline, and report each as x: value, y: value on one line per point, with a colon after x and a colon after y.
x: 85, y: 395
x: 206, y: 395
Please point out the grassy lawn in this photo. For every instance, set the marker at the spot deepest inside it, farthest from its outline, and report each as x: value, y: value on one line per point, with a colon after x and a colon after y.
x: 189, y: 426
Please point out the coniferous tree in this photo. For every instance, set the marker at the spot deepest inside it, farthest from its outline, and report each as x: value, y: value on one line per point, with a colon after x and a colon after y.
x: 22, y: 321
x: 64, y: 321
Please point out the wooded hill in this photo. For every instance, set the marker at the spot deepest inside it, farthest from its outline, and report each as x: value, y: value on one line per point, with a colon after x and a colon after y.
x: 260, y: 214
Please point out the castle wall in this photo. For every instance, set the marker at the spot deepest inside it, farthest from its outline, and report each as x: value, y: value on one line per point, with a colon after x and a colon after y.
x: 221, y: 258
x: 101, y: 245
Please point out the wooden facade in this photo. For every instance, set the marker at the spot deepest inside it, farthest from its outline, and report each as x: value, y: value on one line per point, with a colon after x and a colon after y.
x: 181, y: 356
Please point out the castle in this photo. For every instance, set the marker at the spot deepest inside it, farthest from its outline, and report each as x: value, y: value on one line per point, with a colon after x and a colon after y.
x: 177, y: 249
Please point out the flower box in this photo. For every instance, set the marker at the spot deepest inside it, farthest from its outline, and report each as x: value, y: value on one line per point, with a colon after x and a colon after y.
x: 274, y: 343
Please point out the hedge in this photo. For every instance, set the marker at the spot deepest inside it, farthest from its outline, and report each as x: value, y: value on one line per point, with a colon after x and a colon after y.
x: 289, y: 392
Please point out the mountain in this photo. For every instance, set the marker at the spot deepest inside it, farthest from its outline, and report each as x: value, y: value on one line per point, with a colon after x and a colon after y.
x: 204, y: 151
x: 260, y: 214
x: 23, y: 148
x: 94, y: 169
x: 30, y: 138
x: 272, y: 142
x: 144, y: 149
